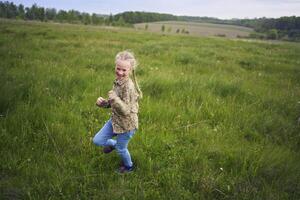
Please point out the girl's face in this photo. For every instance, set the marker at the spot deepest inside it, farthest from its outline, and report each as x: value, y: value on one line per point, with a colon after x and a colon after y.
x: 123, y: 69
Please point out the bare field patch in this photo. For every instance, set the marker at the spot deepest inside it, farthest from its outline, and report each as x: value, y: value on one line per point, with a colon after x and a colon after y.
x: 196, y: 29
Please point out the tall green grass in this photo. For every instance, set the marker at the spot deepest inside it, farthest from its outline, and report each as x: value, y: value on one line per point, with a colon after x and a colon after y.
x: 218, y: 120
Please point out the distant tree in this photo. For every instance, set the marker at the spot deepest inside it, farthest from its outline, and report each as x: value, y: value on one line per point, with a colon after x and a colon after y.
x: 73, y: 16
x: 35, y: 13
x: 29, y: 14
x: 272, y: 34
x: 110, y: 19
x: 121, y: 21
x: 294, y: 34
x: 86, y: 18
x: 50, y: 13
x: 8, y: 10
x: 21, y: 11
x: 163, y: 28
x: 2, y: 10
x: 283, y: 23
x: 13, y: 10
x: 61, y: 16
x: 95, y: 19
x: 40, y: 13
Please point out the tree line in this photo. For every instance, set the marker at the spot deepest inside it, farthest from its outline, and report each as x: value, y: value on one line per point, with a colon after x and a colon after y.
x: 287, y: 28
x: 265, y: 28
x: 11, y: 11
x: 140, y: 17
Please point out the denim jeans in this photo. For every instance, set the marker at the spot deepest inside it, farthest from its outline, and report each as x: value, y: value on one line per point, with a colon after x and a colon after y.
x: 104, y: 138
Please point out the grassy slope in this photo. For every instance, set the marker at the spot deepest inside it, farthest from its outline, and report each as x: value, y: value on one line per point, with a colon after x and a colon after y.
x: 240, y: 101
x: 197, y: 29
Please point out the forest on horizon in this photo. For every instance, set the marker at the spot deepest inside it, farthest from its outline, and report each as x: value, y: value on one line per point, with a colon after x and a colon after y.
x: 285, y: 27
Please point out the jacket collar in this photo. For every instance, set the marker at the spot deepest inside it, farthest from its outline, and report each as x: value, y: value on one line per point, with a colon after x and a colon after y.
x: 120, y: 82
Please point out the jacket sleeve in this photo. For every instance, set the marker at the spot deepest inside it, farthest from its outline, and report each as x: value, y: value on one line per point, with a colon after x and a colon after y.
x: 123, y: 106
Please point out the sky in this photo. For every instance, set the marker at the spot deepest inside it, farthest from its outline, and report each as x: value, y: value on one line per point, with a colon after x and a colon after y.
x: 223, y: 9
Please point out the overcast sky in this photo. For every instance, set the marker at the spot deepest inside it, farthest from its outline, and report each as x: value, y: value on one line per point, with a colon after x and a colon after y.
x: 224, y: 9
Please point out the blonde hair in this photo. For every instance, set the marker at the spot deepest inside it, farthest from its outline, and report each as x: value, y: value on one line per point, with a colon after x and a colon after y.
x: 129, y: 56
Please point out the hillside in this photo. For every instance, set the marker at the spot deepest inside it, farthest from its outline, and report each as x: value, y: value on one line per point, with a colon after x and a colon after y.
x: 218, y: 119
x: 196, y: 29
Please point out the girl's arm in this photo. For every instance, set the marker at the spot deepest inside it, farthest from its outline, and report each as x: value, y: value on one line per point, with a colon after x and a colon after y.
x: 122, y: 106
x: 101, y: 102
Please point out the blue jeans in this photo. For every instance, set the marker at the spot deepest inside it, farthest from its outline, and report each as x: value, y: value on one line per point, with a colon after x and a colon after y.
x: 104, y: 138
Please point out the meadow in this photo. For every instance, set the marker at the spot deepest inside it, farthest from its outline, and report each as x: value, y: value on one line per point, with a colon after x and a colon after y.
x: 196, y: 29
x: 218, y: 119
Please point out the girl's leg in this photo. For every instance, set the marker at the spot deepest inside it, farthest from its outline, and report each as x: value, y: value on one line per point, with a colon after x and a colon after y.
x: 104, y: 136
x: 121, y: 147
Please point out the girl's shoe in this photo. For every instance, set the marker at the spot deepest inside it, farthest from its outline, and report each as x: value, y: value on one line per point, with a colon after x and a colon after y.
x: 108, y: 149
x: 124, y: 169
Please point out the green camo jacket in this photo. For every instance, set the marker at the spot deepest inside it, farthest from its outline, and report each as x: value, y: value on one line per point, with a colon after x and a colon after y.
x: 125, y: 107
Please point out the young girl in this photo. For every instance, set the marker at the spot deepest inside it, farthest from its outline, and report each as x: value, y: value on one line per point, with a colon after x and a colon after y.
x: 123, y: 101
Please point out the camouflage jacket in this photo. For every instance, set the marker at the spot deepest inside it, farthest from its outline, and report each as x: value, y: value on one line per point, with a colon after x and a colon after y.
x: 125, y: 107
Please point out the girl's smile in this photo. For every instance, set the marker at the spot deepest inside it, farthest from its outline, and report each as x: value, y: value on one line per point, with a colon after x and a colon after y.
x: 122, y: 69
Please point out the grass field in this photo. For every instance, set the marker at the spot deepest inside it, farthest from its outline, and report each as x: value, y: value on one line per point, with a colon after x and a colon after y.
x: 218, y: 119
x: 197, y: 29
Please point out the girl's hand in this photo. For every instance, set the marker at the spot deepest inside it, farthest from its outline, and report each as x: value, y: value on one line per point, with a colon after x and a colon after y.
x: 112, y: 96
x: 100, y: 101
